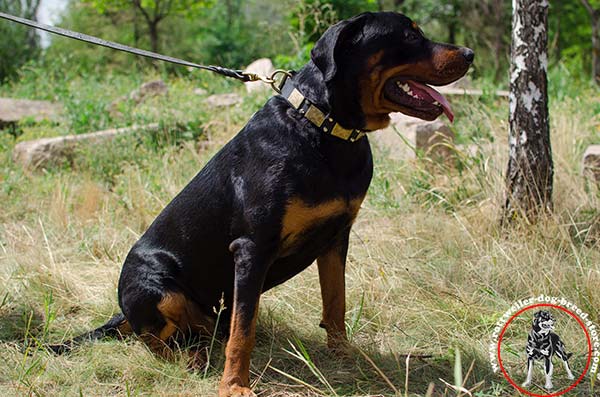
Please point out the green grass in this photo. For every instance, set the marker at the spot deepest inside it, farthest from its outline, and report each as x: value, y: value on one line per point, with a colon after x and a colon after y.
x: 429, y: 268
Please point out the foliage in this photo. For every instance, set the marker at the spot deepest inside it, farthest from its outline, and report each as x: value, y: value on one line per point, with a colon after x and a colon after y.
x: 19, y: 44
x: 152, y: 12
x: 310, y: 18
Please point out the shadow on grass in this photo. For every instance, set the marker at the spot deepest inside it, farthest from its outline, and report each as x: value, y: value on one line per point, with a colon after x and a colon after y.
x: 18, y: 322
x: 291, y: 359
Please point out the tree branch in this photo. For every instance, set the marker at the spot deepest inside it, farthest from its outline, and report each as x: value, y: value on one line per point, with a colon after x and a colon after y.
x: 593, y: 12
x: 138, y: 5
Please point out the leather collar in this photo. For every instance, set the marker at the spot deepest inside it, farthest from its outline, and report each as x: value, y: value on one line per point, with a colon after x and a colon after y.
x: 321, y: 120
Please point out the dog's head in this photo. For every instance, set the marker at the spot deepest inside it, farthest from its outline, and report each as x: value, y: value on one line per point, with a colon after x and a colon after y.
x: 375, y: 64
x: 543, y: 322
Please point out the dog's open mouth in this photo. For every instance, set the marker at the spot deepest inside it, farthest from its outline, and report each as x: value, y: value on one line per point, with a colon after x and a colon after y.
x: 421, y: 100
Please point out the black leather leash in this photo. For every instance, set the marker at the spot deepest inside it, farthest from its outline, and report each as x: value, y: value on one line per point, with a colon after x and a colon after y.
x: 233, y: 73
x: 324, y: 122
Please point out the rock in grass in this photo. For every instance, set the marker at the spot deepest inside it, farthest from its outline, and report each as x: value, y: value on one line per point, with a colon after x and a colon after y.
x: 14, y: 110
x: 139, y: 95
x: 147, y: 90
x: 262, y: 67
x: 591, y: 162
x: 223, y: 100
x: 406, y: 136
x: 41, y: 152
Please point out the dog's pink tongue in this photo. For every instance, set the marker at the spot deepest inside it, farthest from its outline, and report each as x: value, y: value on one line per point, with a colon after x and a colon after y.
x: 435, y: 96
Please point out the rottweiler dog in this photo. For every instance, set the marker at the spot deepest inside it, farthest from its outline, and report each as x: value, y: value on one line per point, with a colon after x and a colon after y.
x: 281, y: 194
x: 543, y: 344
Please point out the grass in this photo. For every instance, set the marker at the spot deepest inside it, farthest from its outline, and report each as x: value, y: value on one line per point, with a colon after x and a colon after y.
x: 429, y: 268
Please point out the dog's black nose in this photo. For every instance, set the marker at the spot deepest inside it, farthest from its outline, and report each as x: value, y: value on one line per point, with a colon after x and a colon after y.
x: 468, y: 54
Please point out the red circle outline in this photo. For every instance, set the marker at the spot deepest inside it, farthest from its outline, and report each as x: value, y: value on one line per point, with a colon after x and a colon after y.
x: 587, y: 365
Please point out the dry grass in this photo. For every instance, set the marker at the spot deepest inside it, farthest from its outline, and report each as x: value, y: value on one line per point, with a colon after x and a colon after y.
x: 429, y: 270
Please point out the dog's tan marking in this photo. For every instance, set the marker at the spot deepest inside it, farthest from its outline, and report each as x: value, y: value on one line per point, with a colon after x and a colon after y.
x: 300, y: 216
x: 124, y: 329
x: 236, y: 375
x: 442, y: 67
x: 181, y: 316
x: 331, y: 278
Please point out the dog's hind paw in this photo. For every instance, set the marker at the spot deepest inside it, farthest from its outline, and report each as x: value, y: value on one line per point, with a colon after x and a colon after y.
x: 525, y: 384
x: 548, y: 386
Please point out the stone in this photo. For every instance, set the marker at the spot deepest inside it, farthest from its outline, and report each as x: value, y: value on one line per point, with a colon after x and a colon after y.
x: 591, y: 162
x: 147, y: 90
x: 223, y: 100
x: 40, y: 152
x: 200, y: 91
x: 262, y: 67
x: 408, y: 135
x: 14, y: 110
x: 139, y: 95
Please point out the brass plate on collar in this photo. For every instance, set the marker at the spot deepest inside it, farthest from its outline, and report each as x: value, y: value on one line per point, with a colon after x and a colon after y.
x: 296, y: 98
x: 341, y: 132
x: 315, y: 115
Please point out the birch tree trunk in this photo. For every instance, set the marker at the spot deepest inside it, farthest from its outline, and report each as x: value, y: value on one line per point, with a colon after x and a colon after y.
x: 530, y: 168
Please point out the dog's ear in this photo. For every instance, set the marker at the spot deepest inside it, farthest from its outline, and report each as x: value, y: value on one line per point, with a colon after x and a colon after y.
x: 327, y: 48
x: 538, y: 314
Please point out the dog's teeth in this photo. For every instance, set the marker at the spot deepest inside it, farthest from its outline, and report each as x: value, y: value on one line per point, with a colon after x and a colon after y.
x: 405, y: 87
x: 436, y: 103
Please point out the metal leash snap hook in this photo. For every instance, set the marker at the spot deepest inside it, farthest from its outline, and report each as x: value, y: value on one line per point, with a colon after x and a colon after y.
x: 271, y: 80
x: 255, y: 77
x: 277, y: 87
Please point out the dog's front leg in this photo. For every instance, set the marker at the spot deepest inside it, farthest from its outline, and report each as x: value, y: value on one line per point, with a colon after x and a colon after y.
x: 250, y: 270
x: 332, y: 266
x: 549, y: 370
x: 529, y: 372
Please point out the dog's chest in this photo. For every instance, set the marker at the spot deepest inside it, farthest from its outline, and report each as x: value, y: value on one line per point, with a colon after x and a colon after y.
x: 538, y: 342
x: 314, y: 224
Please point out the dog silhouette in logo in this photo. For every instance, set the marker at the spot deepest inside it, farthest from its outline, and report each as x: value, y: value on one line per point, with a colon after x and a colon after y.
x: 542, y: 343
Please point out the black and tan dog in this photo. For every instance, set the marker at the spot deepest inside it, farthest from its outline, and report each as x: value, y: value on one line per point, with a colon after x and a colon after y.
x: 543, y: 344
x: 282, y: 193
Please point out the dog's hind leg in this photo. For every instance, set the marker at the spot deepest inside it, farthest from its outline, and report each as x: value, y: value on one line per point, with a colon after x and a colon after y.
x: 564, y: 356
x: 568, y: 369
x: 549, y: 369
x: 529, y: 372
x: 177, y: 318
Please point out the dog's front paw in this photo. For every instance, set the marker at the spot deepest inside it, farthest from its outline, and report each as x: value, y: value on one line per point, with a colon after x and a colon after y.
x: 570, y: 376
x: 525, y: 384
x: 339, y: 346
x: 235, y: 391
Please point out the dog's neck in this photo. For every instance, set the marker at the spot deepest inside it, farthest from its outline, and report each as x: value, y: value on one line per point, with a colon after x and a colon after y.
x: 309, y: 81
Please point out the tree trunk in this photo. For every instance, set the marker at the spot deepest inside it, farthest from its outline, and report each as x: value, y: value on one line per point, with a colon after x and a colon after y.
x: 595, y: 18
x: 530, y: 168
x: 153, y: 32
x: 596, y: 47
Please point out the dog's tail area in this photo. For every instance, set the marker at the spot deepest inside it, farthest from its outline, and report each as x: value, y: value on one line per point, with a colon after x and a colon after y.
x: 116, y: 327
